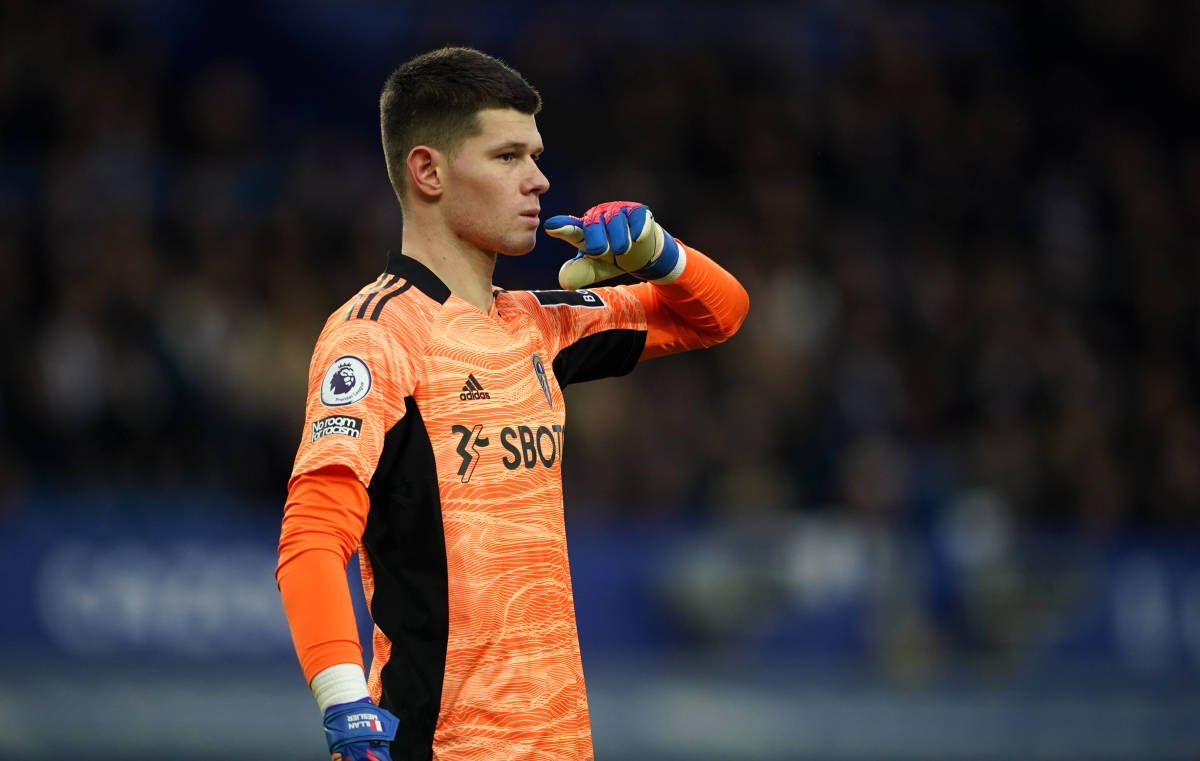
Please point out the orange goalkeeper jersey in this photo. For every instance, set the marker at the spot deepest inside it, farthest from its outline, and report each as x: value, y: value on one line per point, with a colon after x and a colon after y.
x: 433, y: 443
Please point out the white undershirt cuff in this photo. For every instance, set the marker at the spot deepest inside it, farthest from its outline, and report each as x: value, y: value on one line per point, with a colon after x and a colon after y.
x: 343, y: 683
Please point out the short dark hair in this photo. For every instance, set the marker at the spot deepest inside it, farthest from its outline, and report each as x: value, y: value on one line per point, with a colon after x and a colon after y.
x: 434, y: 100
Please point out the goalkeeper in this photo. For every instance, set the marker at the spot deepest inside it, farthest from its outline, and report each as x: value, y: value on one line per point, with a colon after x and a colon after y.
x: 433, y: 437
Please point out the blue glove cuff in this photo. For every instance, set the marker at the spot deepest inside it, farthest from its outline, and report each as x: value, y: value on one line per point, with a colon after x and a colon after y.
x: 360, y: 721
x: 664, y: 264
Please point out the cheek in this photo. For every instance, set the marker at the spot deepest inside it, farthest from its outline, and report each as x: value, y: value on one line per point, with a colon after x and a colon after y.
x: 469, y: 210
x: 476, y: 213
x: 473, y: 196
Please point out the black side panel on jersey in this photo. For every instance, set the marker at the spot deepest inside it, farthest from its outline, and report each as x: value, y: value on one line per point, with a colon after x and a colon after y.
x: 600, y: 355
x: 406, y: 545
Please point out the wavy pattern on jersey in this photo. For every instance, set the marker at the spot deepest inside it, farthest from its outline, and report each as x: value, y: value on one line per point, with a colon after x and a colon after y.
x: 484, y: 509
x: 513, y: 684
x: 392, y: 377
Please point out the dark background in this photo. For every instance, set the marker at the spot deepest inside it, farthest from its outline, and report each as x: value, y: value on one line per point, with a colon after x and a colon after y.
x: 957, y: 439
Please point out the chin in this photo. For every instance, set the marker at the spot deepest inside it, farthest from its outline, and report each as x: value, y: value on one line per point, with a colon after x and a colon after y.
x: 520, y: 249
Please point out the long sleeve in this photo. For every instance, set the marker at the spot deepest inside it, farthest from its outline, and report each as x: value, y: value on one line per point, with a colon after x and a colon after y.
x: 604, y: 331
x: 323, y: 519
x: 705, y: 305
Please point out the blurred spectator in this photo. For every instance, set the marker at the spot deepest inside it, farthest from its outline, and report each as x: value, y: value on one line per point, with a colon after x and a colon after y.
x: 969, y: 234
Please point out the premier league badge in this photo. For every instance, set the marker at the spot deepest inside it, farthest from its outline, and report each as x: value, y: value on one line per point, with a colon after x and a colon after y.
x: 346, y: 381
x: 540, y: 371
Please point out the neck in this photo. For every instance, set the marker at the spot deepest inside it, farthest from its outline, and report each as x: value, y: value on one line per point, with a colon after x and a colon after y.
x: 465, y: 269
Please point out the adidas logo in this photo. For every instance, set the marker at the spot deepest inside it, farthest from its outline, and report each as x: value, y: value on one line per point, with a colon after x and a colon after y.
x: 473, y: 389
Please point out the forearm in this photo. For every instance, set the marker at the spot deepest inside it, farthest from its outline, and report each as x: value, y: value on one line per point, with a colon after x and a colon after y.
x: 324, y: 515
x: 320, y: 613
x: 705, y: 305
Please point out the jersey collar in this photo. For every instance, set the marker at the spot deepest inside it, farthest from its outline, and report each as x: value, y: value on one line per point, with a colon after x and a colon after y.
x: 417, y: 274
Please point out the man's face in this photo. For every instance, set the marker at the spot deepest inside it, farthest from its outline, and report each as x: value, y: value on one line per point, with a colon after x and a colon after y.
x: 492, y: 184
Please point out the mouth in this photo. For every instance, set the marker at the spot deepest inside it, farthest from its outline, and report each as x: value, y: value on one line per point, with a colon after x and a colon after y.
x: 532, y: 215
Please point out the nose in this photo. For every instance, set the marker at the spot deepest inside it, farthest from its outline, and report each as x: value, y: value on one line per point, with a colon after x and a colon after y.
x: 539, y: 183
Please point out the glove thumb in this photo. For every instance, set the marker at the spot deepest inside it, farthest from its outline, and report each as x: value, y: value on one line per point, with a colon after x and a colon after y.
x: 582, y: 271
x: 565, y: 227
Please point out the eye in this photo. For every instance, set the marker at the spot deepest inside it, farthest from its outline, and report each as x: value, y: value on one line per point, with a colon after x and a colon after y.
x: 506, y: 157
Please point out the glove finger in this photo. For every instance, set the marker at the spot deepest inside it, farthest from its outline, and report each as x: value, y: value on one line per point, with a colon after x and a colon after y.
x: 646, y: 241
x: 617, y: 229
x: 639, y: 221
x: 565, y: 227
x: 595, y: 239
x: 582, y: 271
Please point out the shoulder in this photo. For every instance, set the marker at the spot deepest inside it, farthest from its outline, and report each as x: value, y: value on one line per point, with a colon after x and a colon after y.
x: 399, y: 305
x: 405, y: 288
x: 405, y: 295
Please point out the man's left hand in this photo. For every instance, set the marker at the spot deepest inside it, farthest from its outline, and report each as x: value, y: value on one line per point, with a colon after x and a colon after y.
x: 616, y: 238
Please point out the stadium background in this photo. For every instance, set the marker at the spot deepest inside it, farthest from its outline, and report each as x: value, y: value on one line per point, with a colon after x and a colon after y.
x: 937, y: 500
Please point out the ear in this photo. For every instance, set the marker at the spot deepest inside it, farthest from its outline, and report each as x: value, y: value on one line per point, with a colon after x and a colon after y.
x: 423, y: 164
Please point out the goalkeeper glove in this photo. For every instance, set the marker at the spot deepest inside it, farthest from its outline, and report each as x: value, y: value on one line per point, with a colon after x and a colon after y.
x: 614, y: 238
x: 359, y: 731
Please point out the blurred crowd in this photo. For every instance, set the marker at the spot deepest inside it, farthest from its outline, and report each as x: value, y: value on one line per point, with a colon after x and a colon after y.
x: 970, y: 233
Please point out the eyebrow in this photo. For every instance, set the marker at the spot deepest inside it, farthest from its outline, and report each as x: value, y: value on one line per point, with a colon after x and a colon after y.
x: 516, y: 145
